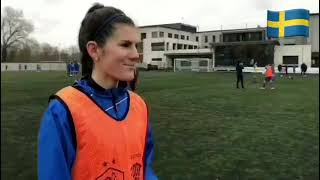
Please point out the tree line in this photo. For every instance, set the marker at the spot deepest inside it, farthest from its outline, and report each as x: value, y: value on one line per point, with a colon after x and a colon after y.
x: 17, y: 46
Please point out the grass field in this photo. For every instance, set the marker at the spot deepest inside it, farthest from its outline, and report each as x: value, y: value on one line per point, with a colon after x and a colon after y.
x: 204, y: 128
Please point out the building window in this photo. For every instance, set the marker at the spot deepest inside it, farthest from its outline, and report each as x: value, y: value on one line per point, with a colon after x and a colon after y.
x: 315, y: 59
x: 185, y: 46
x: 159, y: 46
x: 231, y: 37
x: 203, y: 63
x: 154, y: 34
x: 169, y: 35
x: 290, y: 60
x: 315, y: 63
x: 213, y: 38
x: 174, y: 46
x: 167, y: 46
x: 190, y: 47
x: 182, y: 36
x: 197, y: 38
x: 140, y: 47
x: 246, y: 36
x: 205, y: 46
x: 161, y: 34
x: 195, y: 47
x: 176, y: 36
x: 206, y: 39
x: 156, y: 59
x: 187, y: 37
x: 256, y: 36
x: 179, y: 46
x: 140, y: 58
x: 143, y: 36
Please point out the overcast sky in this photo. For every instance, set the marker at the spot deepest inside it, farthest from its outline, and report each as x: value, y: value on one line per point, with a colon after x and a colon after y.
x: 57, y: 21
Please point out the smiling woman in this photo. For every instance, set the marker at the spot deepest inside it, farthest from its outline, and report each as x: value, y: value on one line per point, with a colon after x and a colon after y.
x: 95, y: 129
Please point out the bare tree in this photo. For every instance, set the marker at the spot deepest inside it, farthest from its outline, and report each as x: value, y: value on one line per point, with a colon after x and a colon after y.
x: 24, y: 54
x: 46, y: 52
x: 35, y: 49
x: 14, y: 29
x: 74, y: 53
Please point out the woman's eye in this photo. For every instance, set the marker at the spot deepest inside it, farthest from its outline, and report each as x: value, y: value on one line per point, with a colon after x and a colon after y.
x: 125, y: 45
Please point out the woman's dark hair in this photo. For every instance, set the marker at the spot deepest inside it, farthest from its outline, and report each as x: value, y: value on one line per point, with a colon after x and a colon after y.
x: 98, y: 25
x: 131, y: 84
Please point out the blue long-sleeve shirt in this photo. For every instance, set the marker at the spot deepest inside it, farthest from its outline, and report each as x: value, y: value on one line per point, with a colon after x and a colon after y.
x: 57, y: 138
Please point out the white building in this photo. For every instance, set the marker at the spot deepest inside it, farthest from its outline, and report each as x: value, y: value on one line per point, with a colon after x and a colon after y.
x: 159, y: 40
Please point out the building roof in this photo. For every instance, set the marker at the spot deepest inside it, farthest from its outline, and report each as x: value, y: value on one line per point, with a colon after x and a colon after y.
x: 193, y: 29
x: 237, y: 30
x: 176, y: 26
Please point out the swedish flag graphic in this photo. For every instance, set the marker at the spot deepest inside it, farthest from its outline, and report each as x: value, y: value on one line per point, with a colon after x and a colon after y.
x: 288, y: 23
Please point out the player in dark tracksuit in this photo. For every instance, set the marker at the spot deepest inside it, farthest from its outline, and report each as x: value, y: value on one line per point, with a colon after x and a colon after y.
x: 239, y: 68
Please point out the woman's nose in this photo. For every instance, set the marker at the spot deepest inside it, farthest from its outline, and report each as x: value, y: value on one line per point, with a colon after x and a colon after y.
x: 134, y: 55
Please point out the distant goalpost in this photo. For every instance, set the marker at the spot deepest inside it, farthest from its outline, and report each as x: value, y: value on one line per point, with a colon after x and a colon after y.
x: 192, y: 65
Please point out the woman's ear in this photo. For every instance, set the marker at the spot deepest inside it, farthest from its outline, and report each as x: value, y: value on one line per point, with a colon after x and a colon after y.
x: 93, y: 50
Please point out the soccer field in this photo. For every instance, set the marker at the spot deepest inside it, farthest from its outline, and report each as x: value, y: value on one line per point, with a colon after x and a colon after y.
x: 204, y: 128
